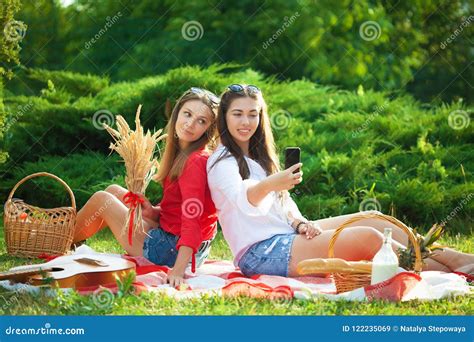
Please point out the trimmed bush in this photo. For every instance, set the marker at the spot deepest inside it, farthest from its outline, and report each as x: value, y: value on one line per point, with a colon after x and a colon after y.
x: 356, y: 146
x: 84, y: 173
x: 78, y: 85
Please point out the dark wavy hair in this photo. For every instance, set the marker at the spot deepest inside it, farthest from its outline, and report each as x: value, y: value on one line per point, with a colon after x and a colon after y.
x: 261, y: 146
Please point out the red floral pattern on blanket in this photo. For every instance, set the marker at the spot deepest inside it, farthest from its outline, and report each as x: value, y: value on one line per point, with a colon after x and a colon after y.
x: 222, y: 276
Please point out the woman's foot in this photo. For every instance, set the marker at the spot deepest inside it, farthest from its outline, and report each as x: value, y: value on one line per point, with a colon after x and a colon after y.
x: 453, y: 259
x: 463, y: 260
x: 467, y: 269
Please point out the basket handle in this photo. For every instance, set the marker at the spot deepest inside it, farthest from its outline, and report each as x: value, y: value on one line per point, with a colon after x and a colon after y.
x: 45, y: 174
x: 418, y: 261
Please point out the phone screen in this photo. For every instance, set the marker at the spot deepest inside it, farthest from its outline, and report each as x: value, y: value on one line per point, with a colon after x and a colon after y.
x: 292, y: 157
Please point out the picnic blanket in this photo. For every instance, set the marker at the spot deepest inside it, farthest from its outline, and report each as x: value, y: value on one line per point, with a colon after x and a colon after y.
x: 221, y: 278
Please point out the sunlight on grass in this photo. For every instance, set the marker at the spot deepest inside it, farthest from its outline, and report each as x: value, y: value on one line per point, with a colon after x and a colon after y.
x: 12, y: 303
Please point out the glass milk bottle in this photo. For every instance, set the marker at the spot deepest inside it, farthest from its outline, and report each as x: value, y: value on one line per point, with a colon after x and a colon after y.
x: 385, y: 262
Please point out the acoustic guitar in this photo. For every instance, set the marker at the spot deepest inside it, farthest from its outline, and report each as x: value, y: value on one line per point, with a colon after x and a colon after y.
x: 72, y: 271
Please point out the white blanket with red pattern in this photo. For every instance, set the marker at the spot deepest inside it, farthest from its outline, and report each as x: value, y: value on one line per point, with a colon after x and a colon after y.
x: 223, y: 279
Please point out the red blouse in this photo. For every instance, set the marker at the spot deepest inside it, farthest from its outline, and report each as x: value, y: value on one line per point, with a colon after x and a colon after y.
x: 187, y: 209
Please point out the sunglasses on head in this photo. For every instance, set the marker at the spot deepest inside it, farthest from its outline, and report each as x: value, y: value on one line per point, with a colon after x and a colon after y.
x: 239, y: 88
x: 198, y: 91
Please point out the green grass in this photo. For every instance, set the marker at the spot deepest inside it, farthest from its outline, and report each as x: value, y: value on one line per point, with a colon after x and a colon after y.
x: 126, y: 303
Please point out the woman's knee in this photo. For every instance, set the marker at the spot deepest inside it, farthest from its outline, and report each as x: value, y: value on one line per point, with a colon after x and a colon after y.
x: 101, y: 197
x: 368, y: 240
x: 369, y: 234
x: 114, y: 188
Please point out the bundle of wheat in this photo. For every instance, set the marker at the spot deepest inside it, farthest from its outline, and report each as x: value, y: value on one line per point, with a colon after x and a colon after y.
x: 138, y: 152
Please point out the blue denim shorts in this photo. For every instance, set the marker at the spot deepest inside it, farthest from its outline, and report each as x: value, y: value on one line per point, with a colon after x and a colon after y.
x: 160, y: 248
x: 271, y: 256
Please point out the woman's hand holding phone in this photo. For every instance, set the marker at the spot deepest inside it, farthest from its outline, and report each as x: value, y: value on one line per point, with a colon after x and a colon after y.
x: 286, y: 179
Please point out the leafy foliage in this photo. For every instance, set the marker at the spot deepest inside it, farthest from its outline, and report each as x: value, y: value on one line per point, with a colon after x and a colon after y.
x: 355, y: 146
x: 427, y: 245
x: 418, y: 46
x: 9, y: 50
x: 85, y: 173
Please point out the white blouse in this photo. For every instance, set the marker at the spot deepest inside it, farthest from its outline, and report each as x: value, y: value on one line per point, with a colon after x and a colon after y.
x: 244, y: 224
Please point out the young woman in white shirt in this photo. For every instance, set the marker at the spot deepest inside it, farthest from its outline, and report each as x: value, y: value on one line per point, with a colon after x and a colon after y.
x: 261, y: 223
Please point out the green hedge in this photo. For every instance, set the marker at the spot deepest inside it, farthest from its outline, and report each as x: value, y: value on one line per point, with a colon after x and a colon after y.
x: 41, y: 127
x: 3, y: 155
x: 76, y: 84
x: 356, y: 146
x: 85, y: 173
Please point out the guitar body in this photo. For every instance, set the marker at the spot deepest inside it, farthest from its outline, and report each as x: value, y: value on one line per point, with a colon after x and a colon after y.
x: 73, y: 271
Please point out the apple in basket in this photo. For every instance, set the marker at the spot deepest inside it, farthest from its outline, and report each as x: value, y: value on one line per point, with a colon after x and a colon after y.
x: 23, y: 217
x: 36, y: 215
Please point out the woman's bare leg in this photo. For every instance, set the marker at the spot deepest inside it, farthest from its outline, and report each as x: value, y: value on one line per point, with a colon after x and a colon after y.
x: 355, y: 243
x: 104, y: 209
x: 380, y: 224
x: 448, y: 257
x: 433, y: 265
x: 453, y: 259
x: 118, y: 191
x: 89, y: 217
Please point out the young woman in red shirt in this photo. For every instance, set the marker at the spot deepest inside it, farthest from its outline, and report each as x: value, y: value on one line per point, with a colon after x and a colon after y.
x: 181, y: 227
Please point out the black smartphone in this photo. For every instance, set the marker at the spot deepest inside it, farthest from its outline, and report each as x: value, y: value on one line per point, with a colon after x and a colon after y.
x: 292, y: 157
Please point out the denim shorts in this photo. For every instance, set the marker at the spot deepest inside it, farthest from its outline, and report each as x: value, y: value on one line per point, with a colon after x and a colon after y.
x: 271, y: 256
x: 160, y: 248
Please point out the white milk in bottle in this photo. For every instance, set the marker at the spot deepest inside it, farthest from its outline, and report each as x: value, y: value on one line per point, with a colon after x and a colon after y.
x: 385, y: 262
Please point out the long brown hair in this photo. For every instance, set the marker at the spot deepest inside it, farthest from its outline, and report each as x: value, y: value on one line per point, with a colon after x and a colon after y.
x: 174, y: 158
x: 261, y: 146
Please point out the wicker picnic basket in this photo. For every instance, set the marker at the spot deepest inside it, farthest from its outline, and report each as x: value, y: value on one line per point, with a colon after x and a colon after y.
x: 350, y: 281
x: 31, y: 231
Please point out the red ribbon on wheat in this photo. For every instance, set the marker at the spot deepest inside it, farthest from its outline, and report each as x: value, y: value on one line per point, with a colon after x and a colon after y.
x: 133, y: 200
